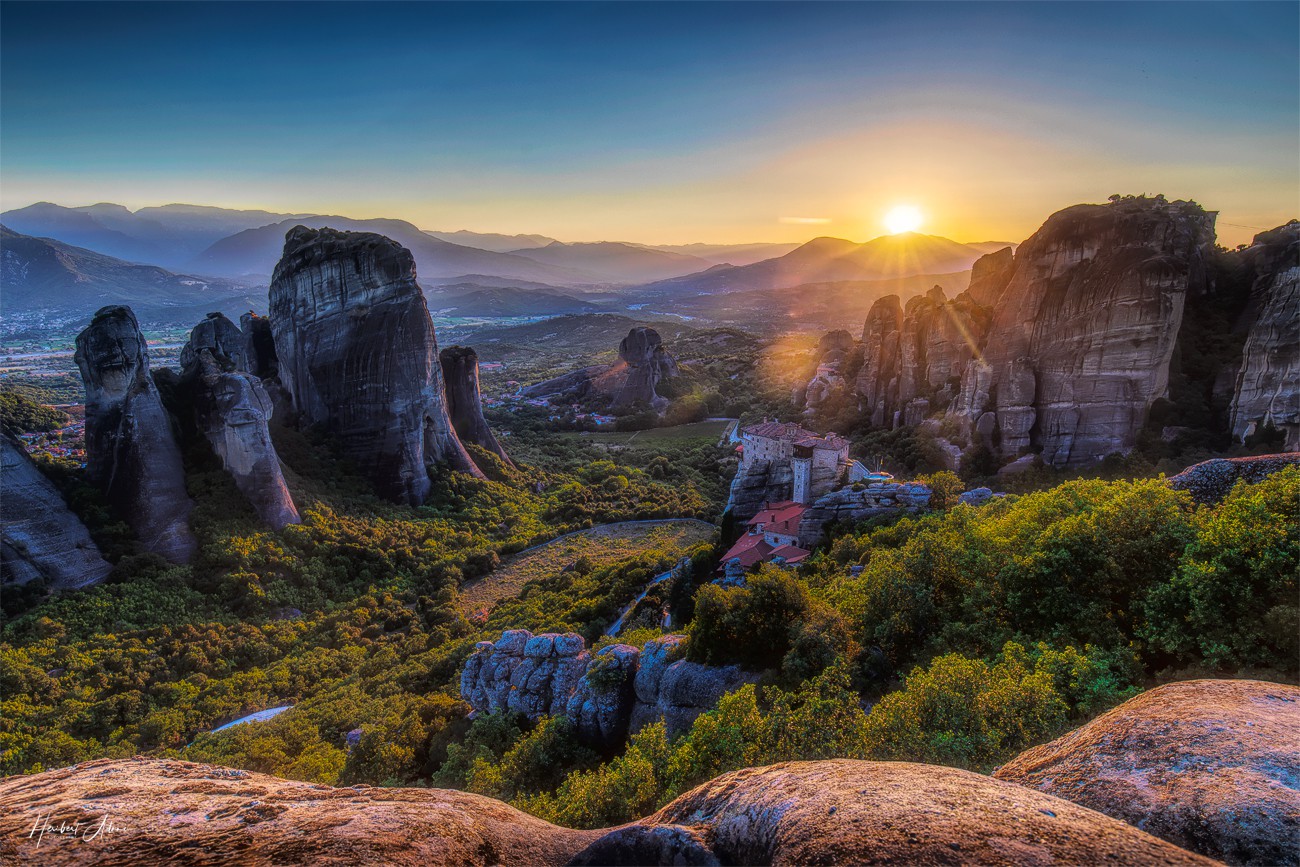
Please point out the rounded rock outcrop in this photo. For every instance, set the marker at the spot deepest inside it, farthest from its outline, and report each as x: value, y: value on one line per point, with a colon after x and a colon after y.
x: 843, y: 811
x: 167, y: 811
x: 1211, y: 765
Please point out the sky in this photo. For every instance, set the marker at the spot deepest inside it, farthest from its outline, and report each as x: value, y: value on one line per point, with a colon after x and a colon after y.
x: 657, y: 122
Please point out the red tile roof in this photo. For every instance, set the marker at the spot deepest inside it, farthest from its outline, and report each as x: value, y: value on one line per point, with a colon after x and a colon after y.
x: 778, y: 513
x: 778, y: 430
x: 750, y: 549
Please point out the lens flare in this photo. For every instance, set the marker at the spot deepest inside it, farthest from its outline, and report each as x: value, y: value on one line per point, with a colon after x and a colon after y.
x: 903, y: 218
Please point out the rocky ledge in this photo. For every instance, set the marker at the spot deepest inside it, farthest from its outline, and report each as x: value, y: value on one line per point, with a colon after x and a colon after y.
x: 1211, y: 765
x: 1211, y: 481
x: 828, y: 812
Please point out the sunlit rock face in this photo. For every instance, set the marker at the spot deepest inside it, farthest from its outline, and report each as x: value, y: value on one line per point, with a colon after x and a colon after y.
x: 1060, y: 348
x: 1267, y: 388
x: 877, y: 384
x: 835, y: 351
x: 1209, y: 765
x: 464, y: 404
x: 233, y: 411
x: 40, y: 538
x: 1082, y: 334
x: 131, y: 449
x: 358, y: 355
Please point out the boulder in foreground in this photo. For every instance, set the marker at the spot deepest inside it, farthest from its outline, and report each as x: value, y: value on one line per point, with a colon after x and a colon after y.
x: 171, y: 812
x: 1211, y: 765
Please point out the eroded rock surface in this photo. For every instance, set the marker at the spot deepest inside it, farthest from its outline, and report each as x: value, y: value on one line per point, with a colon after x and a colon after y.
x: 131, y: 449
x: 1061, y: 348
x: 464, y: 404
x: 1211, y: 765
x: 1210, y: 481
x: 357, y: 353
x: 617, y: 691
x: 633, y: 381
x: 1267, y: 388
x: 166, y: 811
x: 851, y: 812
x: 233, y: 412
x: 42, y: 539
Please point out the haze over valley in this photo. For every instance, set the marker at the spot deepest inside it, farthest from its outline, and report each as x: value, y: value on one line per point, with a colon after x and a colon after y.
x: 621, y: 433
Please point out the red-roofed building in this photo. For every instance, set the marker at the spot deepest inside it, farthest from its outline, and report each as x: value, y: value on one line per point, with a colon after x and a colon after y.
x: 773, y: 533
x: 817, y: 461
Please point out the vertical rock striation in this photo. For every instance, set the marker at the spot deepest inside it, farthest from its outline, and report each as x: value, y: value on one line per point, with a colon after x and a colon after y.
x: 42, y: 540
x: 1061, y: 348
x: 647, y: 363
x: 131, y: 448
x: 1267, y: 388
x: 460, y: 376
x: 233, y: 411
x: 358, y: 355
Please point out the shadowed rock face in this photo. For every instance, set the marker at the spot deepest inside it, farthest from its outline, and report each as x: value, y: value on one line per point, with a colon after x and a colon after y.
x: 1267, y: 390
x: 42, y: 540
x: 828, y: 812
x: 233, y: 411
x: 131, y: 448
x: 1211, y: 765
x: 460, y: 376
x: 648, y: 363
x: 357, y: 353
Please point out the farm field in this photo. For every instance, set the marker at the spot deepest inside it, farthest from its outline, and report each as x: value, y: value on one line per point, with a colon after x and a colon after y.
x: 604, y: 544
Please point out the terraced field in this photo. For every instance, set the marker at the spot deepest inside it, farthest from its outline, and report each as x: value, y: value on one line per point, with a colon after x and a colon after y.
x: 606, y: 543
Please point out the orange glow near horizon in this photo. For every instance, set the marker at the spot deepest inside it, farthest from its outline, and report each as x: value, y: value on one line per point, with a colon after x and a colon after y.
x: 904, y: 218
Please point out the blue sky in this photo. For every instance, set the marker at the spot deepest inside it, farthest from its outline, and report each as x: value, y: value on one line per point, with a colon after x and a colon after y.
x: 658, y: 122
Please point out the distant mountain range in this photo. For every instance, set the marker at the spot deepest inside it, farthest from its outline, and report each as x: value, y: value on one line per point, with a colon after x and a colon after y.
x: 40, y: 274
x: 170, y: 236
x: 473, y: 300
x: 617, y: 262
x: 492, y: 241
x: 234, y: 248
x: 831, y: 260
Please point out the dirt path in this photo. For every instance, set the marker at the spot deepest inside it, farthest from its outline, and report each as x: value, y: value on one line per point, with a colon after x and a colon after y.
x: 602, y: 544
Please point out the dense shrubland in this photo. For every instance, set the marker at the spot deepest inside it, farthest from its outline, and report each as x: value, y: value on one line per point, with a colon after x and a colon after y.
x: 965, y: 635
x: 977, y: 633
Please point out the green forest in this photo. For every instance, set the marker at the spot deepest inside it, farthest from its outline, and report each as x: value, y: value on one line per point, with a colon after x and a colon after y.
x: 966, y: 634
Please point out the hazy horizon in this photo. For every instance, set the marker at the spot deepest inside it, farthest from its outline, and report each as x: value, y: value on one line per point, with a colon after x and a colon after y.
x: 657, y: 123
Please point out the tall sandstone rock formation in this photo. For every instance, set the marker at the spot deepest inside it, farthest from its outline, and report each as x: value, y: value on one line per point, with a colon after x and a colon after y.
x: 646, y: 363
x: 1267, y: 388
x: 131, y: 449
x: 464, y: 403
x: 40, y: 538
x: 233, y: 412
x: 1061, y: 348
x: 357, y: 354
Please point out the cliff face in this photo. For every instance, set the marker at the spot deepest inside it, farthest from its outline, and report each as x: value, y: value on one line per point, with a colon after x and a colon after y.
x: 608, y: 694
x: 233, y: 411
x: 1060, y: 349
x: 464, y: 404
x: 643, y: 363
x: 1267, y: 388
x: 42, y: 540
x: 131, y: 448
x: 357, y: 354
x: 647, y: 363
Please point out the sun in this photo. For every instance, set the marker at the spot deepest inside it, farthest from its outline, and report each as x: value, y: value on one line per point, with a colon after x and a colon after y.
x: 903, y: 218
